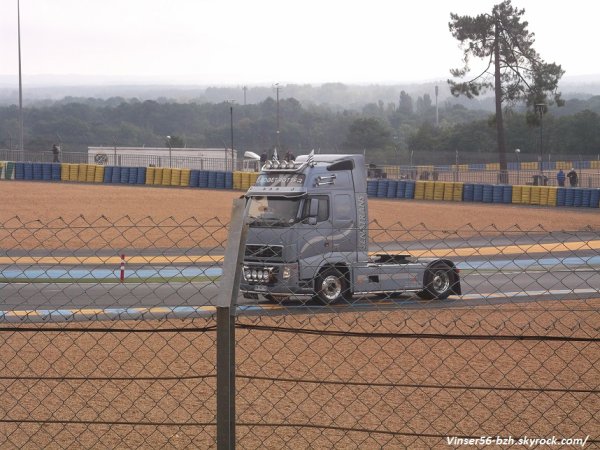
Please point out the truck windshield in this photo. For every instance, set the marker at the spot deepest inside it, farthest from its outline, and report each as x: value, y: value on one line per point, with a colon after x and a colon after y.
x: 273, y: 211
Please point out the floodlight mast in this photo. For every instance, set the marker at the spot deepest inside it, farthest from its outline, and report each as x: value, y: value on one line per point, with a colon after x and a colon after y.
x: 20, y: 78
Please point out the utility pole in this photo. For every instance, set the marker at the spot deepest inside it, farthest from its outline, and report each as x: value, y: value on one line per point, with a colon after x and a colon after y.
x: 20, y: 80
x: 437, y: 116
x: 231, y: 128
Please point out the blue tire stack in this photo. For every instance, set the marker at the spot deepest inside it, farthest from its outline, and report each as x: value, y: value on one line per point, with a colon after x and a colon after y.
x: 46, y: 171
x: 37, y: 171
x: 108, y: 173
x: 468, y: 192
x: 194, y: 178
x: 203, y: 179
x: 392, y: 188
x: 578, y: 197
x: 372, y: 188
x: 570, y: 197
x: 228, y: 180
x: 507, y: 194
x: 220, y: 180
x: 488, y: 193
x: 116, y: 175
x: 212, y: 180
x: 478, y: 192
x: 585, y: 198
x: 55, y: 171
x: 19, y: 171
x: 132, y: 177
x: 382, y: 187
x: 400, y: 189
x: 561, y: 196
x: 28, y: 171
x: 141, y: 175
x: 124, y: 179
x: 594, y: 198
x: 410, y: 189
x: 497, y: 193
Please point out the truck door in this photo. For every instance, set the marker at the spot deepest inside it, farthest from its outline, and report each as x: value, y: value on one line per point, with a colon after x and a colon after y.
x: 343, y: 237
x: 313, y: 234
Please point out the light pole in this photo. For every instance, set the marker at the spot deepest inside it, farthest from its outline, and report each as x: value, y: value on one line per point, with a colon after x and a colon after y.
x: 170, y: 149
x: 20, y: 79
x: 277, y: 88
x: 231, y: 128
x: 540, y: 109
x: 517, y: 152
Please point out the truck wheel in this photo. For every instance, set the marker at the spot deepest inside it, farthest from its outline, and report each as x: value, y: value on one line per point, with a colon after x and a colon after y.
x: 332, y: 286
x: 437, y: 281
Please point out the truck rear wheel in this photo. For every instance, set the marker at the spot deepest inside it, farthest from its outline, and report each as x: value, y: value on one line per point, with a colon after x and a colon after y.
x: 332, y: 286
x: 437, y: 281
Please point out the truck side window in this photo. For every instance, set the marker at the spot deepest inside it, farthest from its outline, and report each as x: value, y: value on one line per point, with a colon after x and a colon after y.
x: 323, y: 213
x: 343, y: 207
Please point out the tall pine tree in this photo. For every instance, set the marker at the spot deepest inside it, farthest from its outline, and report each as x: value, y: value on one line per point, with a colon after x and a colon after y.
x: 513, y: 69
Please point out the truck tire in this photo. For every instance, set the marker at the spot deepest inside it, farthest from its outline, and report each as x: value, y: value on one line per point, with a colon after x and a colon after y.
x: 332, y: 286
x: 437, y: 282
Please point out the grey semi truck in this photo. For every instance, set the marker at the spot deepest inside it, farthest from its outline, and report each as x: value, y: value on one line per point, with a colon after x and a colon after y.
x: 308, y: 238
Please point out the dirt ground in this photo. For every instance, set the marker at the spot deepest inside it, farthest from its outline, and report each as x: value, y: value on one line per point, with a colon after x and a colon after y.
x: 46, y: 201
x: 393, y: 371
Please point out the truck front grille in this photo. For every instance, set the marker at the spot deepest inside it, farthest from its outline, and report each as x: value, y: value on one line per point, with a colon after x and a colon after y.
x: 263, y: 251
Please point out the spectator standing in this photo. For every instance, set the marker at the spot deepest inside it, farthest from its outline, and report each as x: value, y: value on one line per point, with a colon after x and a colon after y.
x: 573, y: 178
x: 263, y: 158
x: 55, y: 153
x: 289, y: 156
x: 560, y: 178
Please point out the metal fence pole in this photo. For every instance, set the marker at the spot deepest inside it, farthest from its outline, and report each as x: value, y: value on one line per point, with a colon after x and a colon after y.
x: 226, y: 301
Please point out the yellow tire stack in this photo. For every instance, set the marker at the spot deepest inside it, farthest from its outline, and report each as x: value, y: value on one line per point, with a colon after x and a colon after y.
x: 535, y: 195
x: 175, y: 177
x: 253, y: 177
x: 448, y: 191
x: 457, y: 192
x: 526, y: 195
x: 150, y: 175
x: 99, y: 175
x: 438, y: 190
x: 552, y: 192
x: 90, y: 173
x: 73, y: 172
x: 237, y: 180
x: 419, y: 190
x: 544, y: 196
x: 185, y: 177
x: 82, y: 173
x: 158, y: 175
x: 166, y: 176
x: 65, y: 171
x: 517, y: 192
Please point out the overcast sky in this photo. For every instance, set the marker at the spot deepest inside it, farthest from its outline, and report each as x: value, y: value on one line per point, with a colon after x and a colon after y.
x: 222, y: 42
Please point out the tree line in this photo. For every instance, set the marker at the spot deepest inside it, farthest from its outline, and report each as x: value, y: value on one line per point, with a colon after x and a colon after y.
x: 386, y: 132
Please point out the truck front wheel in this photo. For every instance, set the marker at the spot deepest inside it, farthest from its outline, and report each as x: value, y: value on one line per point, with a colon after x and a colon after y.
x: 332, y: 286
x: 437, y: 281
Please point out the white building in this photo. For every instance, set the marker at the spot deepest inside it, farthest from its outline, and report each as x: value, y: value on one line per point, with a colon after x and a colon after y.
x: 190, y: 158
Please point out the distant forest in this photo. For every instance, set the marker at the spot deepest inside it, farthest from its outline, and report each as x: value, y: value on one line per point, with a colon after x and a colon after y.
x: 400, y: 131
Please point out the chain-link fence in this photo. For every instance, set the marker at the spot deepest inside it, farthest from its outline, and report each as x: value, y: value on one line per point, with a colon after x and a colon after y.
x: 110, y: 337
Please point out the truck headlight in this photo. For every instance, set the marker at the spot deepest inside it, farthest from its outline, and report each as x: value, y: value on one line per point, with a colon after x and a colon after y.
x: 265, y: 275
x: 247, y: 274
x: 286, y: 272
x: 254, y: 274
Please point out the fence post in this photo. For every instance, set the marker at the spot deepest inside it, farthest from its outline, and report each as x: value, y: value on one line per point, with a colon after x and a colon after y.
x: 226, y: 301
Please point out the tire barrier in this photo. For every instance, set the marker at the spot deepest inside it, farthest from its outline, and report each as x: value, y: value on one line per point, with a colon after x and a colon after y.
x: 28, y: 171
x: 212, y: 180
x: 400, y: 189
x: 507, y: 194
x: 468, y: 192
x: 372, y: 188
x: 382, y: 188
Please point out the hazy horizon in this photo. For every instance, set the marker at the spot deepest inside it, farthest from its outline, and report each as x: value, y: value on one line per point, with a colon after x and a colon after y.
x: 208, y: 43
